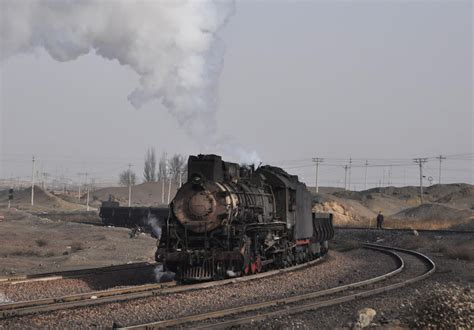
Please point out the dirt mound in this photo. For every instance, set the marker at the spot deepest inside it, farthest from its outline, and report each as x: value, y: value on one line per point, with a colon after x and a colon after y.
x: 461, y: 199
x: 433, y: 216
x: 391, y: 200
x: 378, y: 201
x: 44, y: 201
x: 431, y: 193
x: 346, y: 212
x: 145, y: 194
x: 324, y: 190
x: 433, y: 211
x: 438, y: 191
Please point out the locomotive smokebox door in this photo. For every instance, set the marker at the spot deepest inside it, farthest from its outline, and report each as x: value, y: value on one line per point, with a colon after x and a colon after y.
x: 10, y: 194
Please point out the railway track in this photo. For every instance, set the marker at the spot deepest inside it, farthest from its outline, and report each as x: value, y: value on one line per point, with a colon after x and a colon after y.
x: 124, y: 294
x: 413, y: 267
x: 76, y: 273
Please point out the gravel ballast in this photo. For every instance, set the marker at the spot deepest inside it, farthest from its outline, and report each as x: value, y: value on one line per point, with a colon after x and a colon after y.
x: 338, y: 269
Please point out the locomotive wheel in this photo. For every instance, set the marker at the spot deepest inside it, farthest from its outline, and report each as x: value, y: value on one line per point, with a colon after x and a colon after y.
x: 259, y: 265
x: 247, y: 268
x: 253, y: 267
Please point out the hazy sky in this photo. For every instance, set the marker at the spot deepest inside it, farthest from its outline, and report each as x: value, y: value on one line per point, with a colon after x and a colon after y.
x: 378, y: 80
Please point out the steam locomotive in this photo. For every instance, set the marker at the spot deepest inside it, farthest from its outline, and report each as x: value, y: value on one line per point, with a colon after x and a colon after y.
x: 230, y: 220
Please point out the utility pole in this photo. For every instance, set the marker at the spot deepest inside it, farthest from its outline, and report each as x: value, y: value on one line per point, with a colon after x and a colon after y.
x: 440, y: 160
x: 420, y: 162
x: 87, y: 201
x: 33, y: 182
x: 365, y: 180
x: 390, y: 175
x: 85, y: 175
x: 162, y: 190
x: 317, y: 161
x: 44, y: 181
x: 350, y: 170
x: 129, y: 185
x: 163, y: 183
x: 346, y: 167
x: 169, y: 190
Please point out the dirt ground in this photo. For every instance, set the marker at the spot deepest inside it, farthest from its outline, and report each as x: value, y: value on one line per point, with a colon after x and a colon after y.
x: 31, y: 244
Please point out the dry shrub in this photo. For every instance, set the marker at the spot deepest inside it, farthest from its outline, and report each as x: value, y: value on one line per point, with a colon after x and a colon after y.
x: 413, y: 242
x: 76, y: 246
x: 41, y: 242
x: 462, y: 251
x: 445, y: 307
x: 25, y: 253
x: 429, y: 224
x: 49, y: 254
x: 343, y: 246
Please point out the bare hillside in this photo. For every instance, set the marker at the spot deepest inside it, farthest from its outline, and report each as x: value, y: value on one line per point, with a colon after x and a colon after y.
x: 446, y: 206
x: 44, y: 201
x: 346, y: 212
x: 434, y: 216
x: 460, y: 199
x: 392, y: 200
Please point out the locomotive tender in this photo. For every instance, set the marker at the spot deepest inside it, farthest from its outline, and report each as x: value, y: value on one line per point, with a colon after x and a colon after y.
x: 230, y: 220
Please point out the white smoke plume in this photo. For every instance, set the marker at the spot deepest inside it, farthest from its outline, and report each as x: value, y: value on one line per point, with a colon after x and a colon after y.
x: 162, y: 276
x: 156, y: 226
x: 173, y: 45
x: 231, y: 151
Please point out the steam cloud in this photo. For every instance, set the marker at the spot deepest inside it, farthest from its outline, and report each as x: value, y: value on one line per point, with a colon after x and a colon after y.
x: 155, y: 225
x: 173, y: 46
x: 162, y: 276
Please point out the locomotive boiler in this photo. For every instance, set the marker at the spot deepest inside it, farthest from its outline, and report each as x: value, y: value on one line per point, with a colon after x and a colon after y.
x: 229, y: 220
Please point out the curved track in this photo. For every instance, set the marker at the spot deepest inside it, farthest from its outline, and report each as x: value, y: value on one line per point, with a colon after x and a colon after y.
x: 124, y: 294
x: 413, y: 267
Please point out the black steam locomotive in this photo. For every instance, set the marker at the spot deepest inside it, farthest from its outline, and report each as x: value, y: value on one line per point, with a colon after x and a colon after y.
x: 230, y: 220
